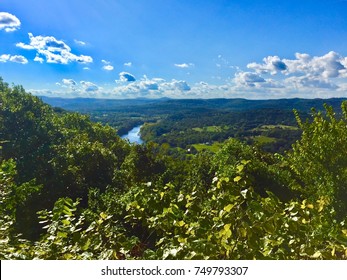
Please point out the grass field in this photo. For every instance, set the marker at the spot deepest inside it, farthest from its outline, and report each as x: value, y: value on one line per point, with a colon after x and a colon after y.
x: 269, y: 127
x: 212, y: 128
x: 214, y: 147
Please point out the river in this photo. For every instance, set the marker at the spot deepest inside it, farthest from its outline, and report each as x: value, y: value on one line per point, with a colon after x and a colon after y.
x: 134, y: 135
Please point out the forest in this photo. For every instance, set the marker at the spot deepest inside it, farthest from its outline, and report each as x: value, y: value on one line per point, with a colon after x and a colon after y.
x: 72, y: 189
x: 197, y: 124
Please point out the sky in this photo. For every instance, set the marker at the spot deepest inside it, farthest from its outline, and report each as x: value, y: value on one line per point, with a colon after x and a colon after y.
x: 175, y: 48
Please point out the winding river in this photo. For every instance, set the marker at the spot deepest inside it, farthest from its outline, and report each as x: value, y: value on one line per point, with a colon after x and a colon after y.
x: 134, y: 135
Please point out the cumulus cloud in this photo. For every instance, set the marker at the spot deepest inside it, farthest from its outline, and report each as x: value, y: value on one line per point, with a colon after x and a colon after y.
x: 176, y: 85
x: 13, y: 58
x: 272, y: 65
x: 149, y: 85
x: 151, y: 88
x: 184, y: 65
x: 330, y: 65
x: 53, y: 50
x: 81, y: 88
x: 142, y: 88
x: 89, y: 86
x: 19, y: 59
x: 9, y: 22
x: 302, y: 74
x: 39, y: 59
x: 128, y: 64
x: 69, y: 82
x: 248, y: 79
x: 274, y: 77
x: 126, y: 77
x: 310, y: 82
x: 107, y: 65
x: 4, y: 57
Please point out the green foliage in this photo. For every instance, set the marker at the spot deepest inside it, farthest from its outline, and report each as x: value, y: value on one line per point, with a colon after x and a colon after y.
x: 64, y: 152
x: 319, y: 160
x: 12, y: 196
x: 106, y: 199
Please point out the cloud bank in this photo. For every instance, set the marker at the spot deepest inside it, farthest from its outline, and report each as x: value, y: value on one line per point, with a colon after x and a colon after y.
x: 303, y: 76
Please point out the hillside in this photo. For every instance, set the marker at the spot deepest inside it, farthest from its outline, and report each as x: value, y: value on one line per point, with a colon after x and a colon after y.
x: 166, y: 105
x: 191, y: 123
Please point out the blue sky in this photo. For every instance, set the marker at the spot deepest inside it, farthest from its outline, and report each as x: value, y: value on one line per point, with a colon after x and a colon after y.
x: 175, y: 48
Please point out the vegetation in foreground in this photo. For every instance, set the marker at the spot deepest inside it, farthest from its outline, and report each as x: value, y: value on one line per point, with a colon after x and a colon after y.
x: 72, y: 189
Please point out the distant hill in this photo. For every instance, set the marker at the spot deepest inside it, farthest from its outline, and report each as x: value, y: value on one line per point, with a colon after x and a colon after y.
x: 169, y: 105
x: 91, y: 104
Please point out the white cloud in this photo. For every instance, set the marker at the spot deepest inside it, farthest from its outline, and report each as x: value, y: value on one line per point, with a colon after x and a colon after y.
x: 272, y: 65
x: 39, y: 59
x: 248, y: 79
x: 69, y: 82
x: 13, y: 58
x: 81, y: 43
x: 19, y: 59
x: 128, y: 64
x: 108, y: 67
x: 310, y: 82
x: 176, y: 85
x: 330, y: 65
x: 53, y: 50
x: 24, y: 46
x: 149, y: 85
x: 184, y: 65
x: 143, y: 88
x: 4, y: 57
x: 302, y: 75
x: 89, y: 86
x: 74, y: 89
x: 151, y: 88
x: 9, y: 22
x: 126, y: 77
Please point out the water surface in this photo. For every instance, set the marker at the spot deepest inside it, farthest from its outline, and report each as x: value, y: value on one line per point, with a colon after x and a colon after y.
x: 134, y: 135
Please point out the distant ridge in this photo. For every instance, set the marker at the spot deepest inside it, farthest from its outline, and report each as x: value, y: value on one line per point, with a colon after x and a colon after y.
x: 167, y: 104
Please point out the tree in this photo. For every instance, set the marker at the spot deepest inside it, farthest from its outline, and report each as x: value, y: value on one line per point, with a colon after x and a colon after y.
x: 318, y: 160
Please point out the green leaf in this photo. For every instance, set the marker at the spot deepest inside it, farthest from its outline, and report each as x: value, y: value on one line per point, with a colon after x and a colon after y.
x: 240, y: 167
x: 181, y: 223
x: 317, y: 255
x: 65, y: 222
x: 182, y: 240
x: 229, y: 207
x: 225, y: 233
x: 86, y: 245
x: 237, y: 178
